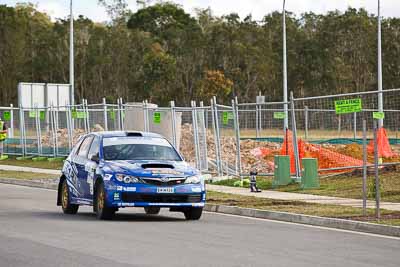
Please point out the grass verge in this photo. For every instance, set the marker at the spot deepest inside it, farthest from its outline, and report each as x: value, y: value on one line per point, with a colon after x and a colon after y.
x: 33, y: 164
x: 322, y: 210
x: 26, y: 175
x: 347, y: 186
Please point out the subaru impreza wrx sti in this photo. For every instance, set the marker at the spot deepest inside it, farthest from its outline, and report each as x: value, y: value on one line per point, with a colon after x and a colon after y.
x: 113, y: 170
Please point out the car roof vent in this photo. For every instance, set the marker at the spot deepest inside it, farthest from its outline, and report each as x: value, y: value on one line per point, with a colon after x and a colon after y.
x: 134, y: 134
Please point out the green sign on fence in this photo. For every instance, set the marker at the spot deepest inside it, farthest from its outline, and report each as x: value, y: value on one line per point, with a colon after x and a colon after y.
x: 42, y: 115
x: 348, y: 106
x: 74, y: 114
x: 6, y: 115
x: 378, y: 115
x: 32, y: 114
x: 112, y: 114
x: 279, y: 115
x: 226, y: 116
x: 81, y: 115
x: 157, y: 117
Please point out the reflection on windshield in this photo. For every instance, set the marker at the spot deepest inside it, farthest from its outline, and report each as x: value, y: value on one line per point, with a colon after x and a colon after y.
x: 140, y: 152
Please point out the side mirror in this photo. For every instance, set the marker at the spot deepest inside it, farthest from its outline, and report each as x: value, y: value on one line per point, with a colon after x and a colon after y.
x: 95, y: 158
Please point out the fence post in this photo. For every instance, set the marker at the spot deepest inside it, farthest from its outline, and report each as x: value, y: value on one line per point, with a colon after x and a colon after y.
x: 37, y: 128
x: 355, y: 125
x: 122, y: 114
x: 204, y: 136
x: 11, y: 120
x: 21, y: 131
x: 173, y: 124
x: 87, y: 114
x: 146, y: 116
x: 257, y: 122
x: 69, y: 125
x: 52, y: 129
x: 364, y: 181
x: 306, y: 122
x: 376, y: 165
x: 119, y: 114
x: 295, y: 144
x: 237, y: 134
x: 195, y: 134
x: 105, y: 114
x: 214, y: 114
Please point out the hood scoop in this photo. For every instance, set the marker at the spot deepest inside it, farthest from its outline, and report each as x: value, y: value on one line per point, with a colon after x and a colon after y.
x: 157, y: 166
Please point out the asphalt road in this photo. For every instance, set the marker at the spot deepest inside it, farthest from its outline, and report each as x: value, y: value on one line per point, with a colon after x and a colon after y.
x: 34, y: 232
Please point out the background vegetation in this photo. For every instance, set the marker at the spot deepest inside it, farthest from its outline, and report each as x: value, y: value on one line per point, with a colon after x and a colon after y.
x: 163, y: 53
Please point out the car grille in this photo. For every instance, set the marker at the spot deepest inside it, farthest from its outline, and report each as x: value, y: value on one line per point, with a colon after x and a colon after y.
x: 160, y: 183
x: 167, y: 198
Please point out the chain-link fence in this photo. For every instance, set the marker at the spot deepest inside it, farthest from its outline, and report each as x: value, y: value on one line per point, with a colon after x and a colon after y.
x: 220, y: 139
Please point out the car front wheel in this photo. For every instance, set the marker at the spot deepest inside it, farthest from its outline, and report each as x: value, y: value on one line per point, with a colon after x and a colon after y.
x: 66, y: 205
x: 102, y: 211
x: 193, y: 213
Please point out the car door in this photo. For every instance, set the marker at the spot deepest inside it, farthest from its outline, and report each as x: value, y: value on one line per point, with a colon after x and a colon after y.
x: 81, y: 159
x: 92, y: 165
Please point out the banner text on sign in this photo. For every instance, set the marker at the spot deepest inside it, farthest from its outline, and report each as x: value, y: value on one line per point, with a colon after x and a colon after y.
x: 348, y: 106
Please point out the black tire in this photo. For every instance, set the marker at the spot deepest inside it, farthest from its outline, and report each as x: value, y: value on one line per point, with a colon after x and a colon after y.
x: 102, y: 211
x: 193, y: 214
x: 152, y: 210
x: 66, y: 205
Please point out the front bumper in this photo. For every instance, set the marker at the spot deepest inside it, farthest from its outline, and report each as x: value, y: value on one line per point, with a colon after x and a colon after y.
x: 144, y: 195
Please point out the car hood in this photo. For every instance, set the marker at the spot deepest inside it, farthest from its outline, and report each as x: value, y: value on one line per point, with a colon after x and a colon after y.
x: 149, y: 168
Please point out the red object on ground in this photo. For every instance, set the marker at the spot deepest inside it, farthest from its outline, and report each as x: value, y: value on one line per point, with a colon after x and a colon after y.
x: 331, y: 159
x: 384, y: 148
x: 287, y: 150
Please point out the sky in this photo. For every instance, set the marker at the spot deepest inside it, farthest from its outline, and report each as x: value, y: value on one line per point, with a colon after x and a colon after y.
x: 258, y: 8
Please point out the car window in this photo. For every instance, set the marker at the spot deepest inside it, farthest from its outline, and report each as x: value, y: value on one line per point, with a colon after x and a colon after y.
x: 75, y: 150
x: 131, y: 148
x: 94, y: 148
x: 85, y: 146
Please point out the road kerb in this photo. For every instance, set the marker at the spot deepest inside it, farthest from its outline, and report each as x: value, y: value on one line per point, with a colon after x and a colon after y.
x: 357, y: 226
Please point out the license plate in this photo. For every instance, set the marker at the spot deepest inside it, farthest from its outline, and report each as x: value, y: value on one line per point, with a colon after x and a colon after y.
x: 165, y: 190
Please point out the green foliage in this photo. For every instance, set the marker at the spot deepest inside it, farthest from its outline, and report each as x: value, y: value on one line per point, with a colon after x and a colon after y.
x: 163, y: 53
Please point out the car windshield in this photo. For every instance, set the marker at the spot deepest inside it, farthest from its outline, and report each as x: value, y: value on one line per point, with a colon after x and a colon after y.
x: 138, y: 148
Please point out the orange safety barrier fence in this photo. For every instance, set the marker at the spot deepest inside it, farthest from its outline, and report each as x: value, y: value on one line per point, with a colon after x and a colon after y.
x: 326, y: 157
x: 384, y: 148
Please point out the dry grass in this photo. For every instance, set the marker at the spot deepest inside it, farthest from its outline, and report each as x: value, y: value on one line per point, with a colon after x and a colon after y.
x: 26, y: 175
x: 33, y: 164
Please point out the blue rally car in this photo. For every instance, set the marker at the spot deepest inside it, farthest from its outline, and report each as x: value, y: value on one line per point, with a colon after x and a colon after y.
x: 112, y: 170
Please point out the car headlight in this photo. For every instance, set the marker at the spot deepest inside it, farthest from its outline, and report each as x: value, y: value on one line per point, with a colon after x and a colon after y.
x: 127, y: 179
x: 193, y: 180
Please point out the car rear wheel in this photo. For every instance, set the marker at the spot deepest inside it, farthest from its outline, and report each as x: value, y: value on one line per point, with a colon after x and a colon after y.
x: 193, y: 213
x: 152, y: 210
x: 102, y: 211
x: 66, y: 205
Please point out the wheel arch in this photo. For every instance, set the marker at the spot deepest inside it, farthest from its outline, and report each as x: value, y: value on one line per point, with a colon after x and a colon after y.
x: 62, y: 179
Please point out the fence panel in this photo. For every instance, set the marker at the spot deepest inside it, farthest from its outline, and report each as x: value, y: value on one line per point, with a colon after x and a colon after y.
x: 261, y: 135
x: 332, y: 125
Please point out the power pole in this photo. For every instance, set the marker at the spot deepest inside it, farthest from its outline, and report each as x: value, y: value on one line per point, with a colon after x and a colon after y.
x: 285, y: 93
x: 380, y: 87
x: 71, y: 56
